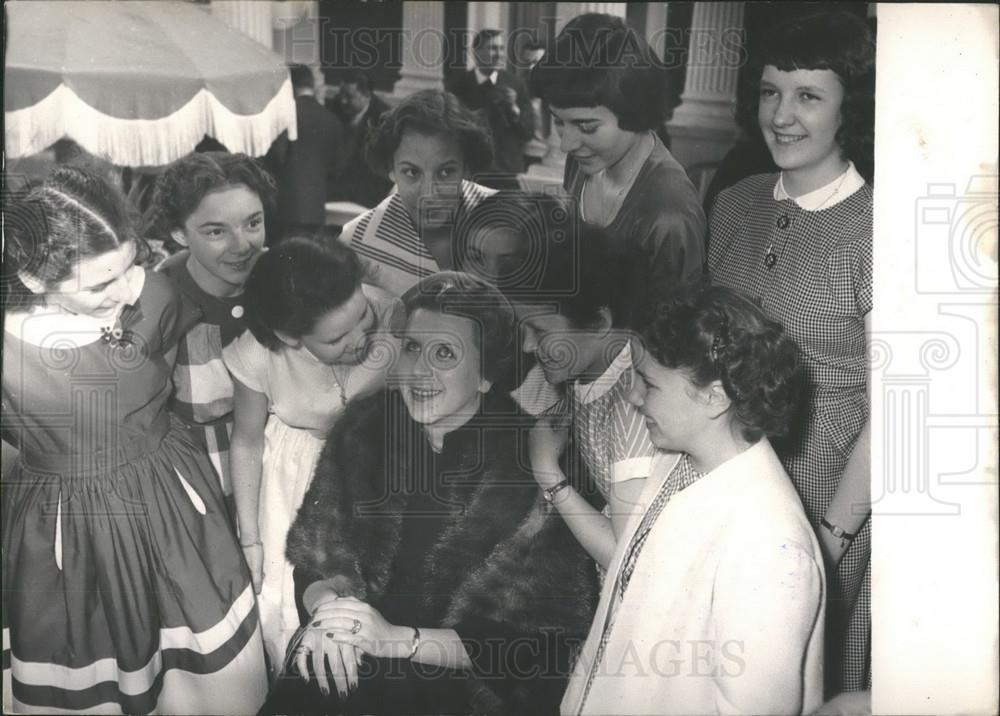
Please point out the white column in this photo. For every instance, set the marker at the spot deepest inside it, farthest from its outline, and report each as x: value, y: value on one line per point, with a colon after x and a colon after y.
x: 250, y: 17
x: 423, y: 48
x: 712, y: 67
x: 656, y: 25
x: 482, y: 15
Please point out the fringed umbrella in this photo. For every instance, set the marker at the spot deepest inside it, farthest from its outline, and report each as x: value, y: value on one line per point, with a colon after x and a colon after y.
x: 138, y: 83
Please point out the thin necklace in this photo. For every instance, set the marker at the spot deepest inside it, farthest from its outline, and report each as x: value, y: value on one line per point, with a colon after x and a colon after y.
x: 770, y: 257
x: 341, y: 385
x: 617, y: 195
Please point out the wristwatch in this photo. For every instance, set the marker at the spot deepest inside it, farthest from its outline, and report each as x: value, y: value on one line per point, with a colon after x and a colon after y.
x: 549, y: 493
x: 836, y: 530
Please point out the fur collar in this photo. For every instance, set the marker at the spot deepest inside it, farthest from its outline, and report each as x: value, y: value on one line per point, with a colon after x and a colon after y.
x: 501, y: 556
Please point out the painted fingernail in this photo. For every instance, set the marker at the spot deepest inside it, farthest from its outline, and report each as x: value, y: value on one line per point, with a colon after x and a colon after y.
x: 316, y: 623
x: 329, y: 635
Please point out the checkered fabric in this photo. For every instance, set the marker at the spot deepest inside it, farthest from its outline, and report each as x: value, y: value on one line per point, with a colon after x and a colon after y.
x: 203, y: 388
x: 611, y: 434
x: 387, y: 241
x: 820, y: 289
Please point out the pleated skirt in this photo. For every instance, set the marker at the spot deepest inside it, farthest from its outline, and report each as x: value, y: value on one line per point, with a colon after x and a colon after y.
x: 124, y: 587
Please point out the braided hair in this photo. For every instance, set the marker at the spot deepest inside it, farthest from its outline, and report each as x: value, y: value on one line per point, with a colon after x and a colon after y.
x: 73, y: 215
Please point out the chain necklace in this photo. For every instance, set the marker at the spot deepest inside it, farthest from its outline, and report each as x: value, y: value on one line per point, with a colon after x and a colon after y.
x: 783, y: 222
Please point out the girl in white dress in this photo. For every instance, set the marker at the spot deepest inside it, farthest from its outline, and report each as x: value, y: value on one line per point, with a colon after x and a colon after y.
x: 313, y: 343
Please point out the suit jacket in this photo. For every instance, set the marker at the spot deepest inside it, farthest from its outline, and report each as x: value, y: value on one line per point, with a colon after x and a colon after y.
x: 355, y: 180
x: 303, y: 166
x: 510, y: 132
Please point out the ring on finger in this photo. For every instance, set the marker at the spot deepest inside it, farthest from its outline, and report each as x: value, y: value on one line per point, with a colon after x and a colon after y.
x: 355, y: 627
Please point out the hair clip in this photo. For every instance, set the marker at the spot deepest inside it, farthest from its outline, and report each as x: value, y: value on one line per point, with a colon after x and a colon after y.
x: 720, y: 339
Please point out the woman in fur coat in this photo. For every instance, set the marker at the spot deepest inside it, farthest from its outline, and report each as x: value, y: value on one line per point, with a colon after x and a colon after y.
x: 432, y: 577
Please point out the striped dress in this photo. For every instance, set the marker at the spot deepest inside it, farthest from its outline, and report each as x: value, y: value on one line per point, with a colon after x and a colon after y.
x: 387, y: 242
x: 611, y: 434
x: 819, y: 287
x: 124, y: 588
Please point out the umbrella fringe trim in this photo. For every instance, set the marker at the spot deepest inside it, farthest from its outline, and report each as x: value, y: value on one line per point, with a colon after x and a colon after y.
x: 147, y: 142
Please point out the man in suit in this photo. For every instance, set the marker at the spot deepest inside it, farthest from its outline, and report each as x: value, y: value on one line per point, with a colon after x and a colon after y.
x: 359, y: 111
x: 505, y: 102
x: 302, y: 167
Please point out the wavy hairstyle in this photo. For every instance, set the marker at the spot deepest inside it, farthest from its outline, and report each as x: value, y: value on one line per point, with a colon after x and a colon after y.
x: 598, y: 60
x: 455, y: 293
x: 717, y: 333
x: 431, y: 112
x: 184, y: 183
x: 295, y: 284
x: 75, y: 214
x: 837, y: 41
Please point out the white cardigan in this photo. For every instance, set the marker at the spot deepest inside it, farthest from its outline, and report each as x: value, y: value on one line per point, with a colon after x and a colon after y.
x: 725, y: 608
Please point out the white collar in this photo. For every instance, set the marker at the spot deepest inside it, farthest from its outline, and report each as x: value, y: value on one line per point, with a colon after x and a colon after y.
x: 480, y: 77
x: 589, y: 392
x: 827, y: 195
x: 48, y: 328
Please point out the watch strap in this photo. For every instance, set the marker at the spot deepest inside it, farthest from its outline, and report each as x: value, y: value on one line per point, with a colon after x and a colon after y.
x: 836, y: 530
x: 550, y: 493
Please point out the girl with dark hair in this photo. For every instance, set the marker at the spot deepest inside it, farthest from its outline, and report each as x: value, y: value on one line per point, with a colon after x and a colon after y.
x: 607, y: 92
x: 429, y: 145
x: 423, y: 541
x: 124, y: 586
x: 215, y: 205
x: 574, y: 292
x: 311, y: 346
x: 800, y: 242
x: 714, y: 597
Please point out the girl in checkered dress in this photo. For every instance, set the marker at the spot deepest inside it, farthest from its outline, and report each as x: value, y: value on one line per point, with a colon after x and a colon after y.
x: 214, y: 205
x: 570, y: 284
x: 800, y: 243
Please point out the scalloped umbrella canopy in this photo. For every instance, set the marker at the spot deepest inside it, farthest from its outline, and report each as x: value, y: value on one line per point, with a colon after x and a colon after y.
x: 138, y: 82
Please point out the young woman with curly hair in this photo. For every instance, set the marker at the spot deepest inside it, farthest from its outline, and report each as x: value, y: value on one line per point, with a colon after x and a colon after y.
x: 429, y: 145
x: 800, y: 242
x: 713, y: 602
x: 215, y: 205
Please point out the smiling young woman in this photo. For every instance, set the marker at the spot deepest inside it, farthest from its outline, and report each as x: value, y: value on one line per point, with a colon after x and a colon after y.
x: 214, y: 204
x: 310, y: 348
x: 118, y: 552
x: 608, y: 96
x: 800, y: 242
x: 429, y: 145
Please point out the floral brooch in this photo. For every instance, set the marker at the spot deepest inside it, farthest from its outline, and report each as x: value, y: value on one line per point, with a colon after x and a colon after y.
x: 116, y: 337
